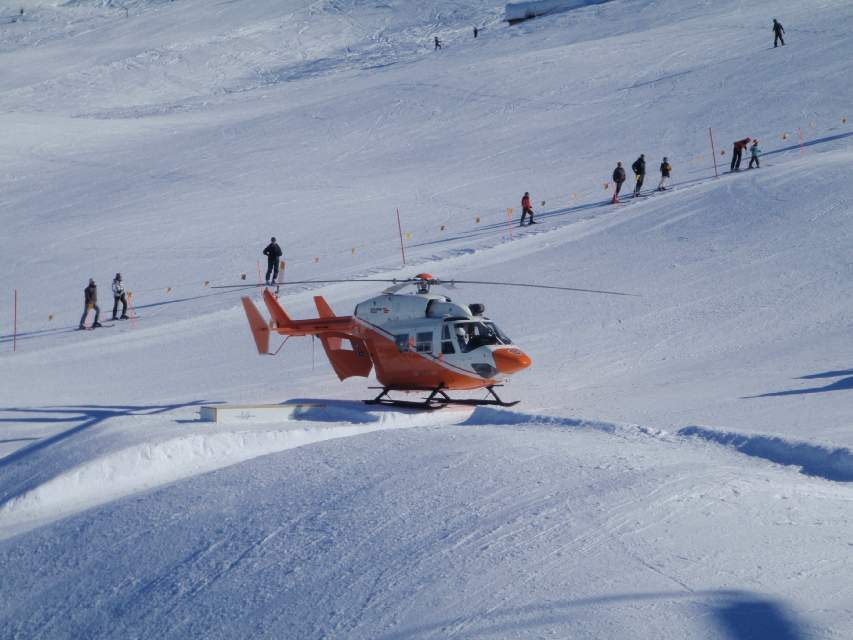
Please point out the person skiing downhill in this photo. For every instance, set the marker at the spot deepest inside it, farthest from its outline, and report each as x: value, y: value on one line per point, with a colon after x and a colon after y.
x: 437, y: 43
x: 526, y: 209
x: 273, y: 253
x: 618, y: 179
x: 91, y: 302
x: 754, y: 153
x: 737, y: 153
x: 639, y: 168
x: 778, y: 30
x: 665, y: 173
x: 119, y: 296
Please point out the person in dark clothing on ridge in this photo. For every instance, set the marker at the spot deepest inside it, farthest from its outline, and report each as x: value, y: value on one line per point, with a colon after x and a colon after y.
x: 119, y: 296
x: 639, y: 168
x: 778, y: 30
x: 737, y: 153
x: 273, y: 253
x: 437, y: 43
x: 665, y: 173
x: 476, y: 31
x: 618, y: 179
x: 526, y: 209
x: 91, y: 295
x: 754, y: 153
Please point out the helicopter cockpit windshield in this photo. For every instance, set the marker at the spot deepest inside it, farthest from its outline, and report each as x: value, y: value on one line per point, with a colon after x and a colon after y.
x: 471, y: 335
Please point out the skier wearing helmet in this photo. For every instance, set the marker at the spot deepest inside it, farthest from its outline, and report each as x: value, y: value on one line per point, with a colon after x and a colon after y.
x: 754, y: 153
x: 119, y: 296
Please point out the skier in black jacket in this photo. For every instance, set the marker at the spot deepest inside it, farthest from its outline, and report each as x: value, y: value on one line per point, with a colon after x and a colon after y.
x: 618, y: 179
x: 778, y: 30
x: 91, y: 295
x: 273, y: 253
x: 639, y: 168
x: 665, y: 173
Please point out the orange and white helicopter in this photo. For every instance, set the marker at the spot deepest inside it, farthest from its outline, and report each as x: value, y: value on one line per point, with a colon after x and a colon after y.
x: 416, y: 341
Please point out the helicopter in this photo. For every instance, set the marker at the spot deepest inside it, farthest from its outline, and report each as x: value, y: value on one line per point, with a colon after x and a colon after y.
x: 417, y: 342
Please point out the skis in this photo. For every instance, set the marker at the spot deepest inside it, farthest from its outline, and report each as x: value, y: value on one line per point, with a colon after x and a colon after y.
x: 103, y: 326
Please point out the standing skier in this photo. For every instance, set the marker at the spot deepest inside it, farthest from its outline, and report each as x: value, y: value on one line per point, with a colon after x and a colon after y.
x: 639, y: 168
x: 119, y: 296
x: 778, y: 30
x: 754, y: 153
x: 437, y: 43
x: 91, y: 302
x: 665, y: 173
x: 273, y: 253
x: 618, y: 179
x: 526, y: 209
x: 737, y: 153
x: 476, y: 31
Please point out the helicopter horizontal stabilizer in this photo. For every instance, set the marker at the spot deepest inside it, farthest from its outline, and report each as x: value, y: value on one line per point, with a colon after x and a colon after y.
x: 260, y: 330
x: 281, y: 323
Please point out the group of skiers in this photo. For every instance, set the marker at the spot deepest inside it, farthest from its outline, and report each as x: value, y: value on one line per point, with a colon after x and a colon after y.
x: 737, y: 154
x: 90, y: 294
x: 639, y: 168
x: 437, y: 43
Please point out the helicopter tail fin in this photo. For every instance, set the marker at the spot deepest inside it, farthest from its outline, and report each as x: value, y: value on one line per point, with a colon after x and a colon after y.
x: 354, y: 361
x: 323, y: 307
x: 260, y: 330
x: 277, y: 312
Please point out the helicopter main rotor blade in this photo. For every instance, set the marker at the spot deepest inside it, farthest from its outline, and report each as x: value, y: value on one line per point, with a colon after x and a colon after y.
x: 533, y: 286
x: 431, y: 282
x: 290, y: 282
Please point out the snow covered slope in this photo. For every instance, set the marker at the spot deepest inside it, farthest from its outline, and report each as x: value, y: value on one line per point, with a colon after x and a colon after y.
x: 680, y: 465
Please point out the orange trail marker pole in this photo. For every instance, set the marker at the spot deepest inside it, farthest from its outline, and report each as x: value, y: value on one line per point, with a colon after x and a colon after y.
x: 509, y: 221
x: 15, y: 324
x: 400, y: 229
x: 713, y: 152
x: 132, y: 309
x: 802, y: 150
x: 259, y: 272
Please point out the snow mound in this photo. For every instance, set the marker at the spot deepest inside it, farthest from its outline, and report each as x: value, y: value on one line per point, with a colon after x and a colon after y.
x: 814, y: 460
x: 148, y: 465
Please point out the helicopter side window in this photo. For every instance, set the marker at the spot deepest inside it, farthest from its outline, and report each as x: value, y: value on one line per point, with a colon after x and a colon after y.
x: 423, y: 343
x: 446, y: 341
x: 402, y: 342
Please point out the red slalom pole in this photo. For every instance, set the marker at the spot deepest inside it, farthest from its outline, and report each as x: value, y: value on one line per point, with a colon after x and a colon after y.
x: 15, y: 324
x: 400, y: 229
x: 713, y: 152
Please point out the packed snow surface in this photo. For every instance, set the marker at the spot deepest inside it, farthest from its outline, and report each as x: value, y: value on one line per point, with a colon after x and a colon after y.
x: 680, y: 465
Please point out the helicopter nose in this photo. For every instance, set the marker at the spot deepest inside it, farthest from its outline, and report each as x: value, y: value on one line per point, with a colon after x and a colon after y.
x: 511, y: 360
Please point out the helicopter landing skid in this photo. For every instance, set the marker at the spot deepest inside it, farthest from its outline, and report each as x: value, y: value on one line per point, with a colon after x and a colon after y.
x: 437, y: 399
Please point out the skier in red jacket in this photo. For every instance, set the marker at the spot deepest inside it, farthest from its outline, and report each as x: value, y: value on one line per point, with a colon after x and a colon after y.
x: 526, y: 209
x: 737, y: 153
